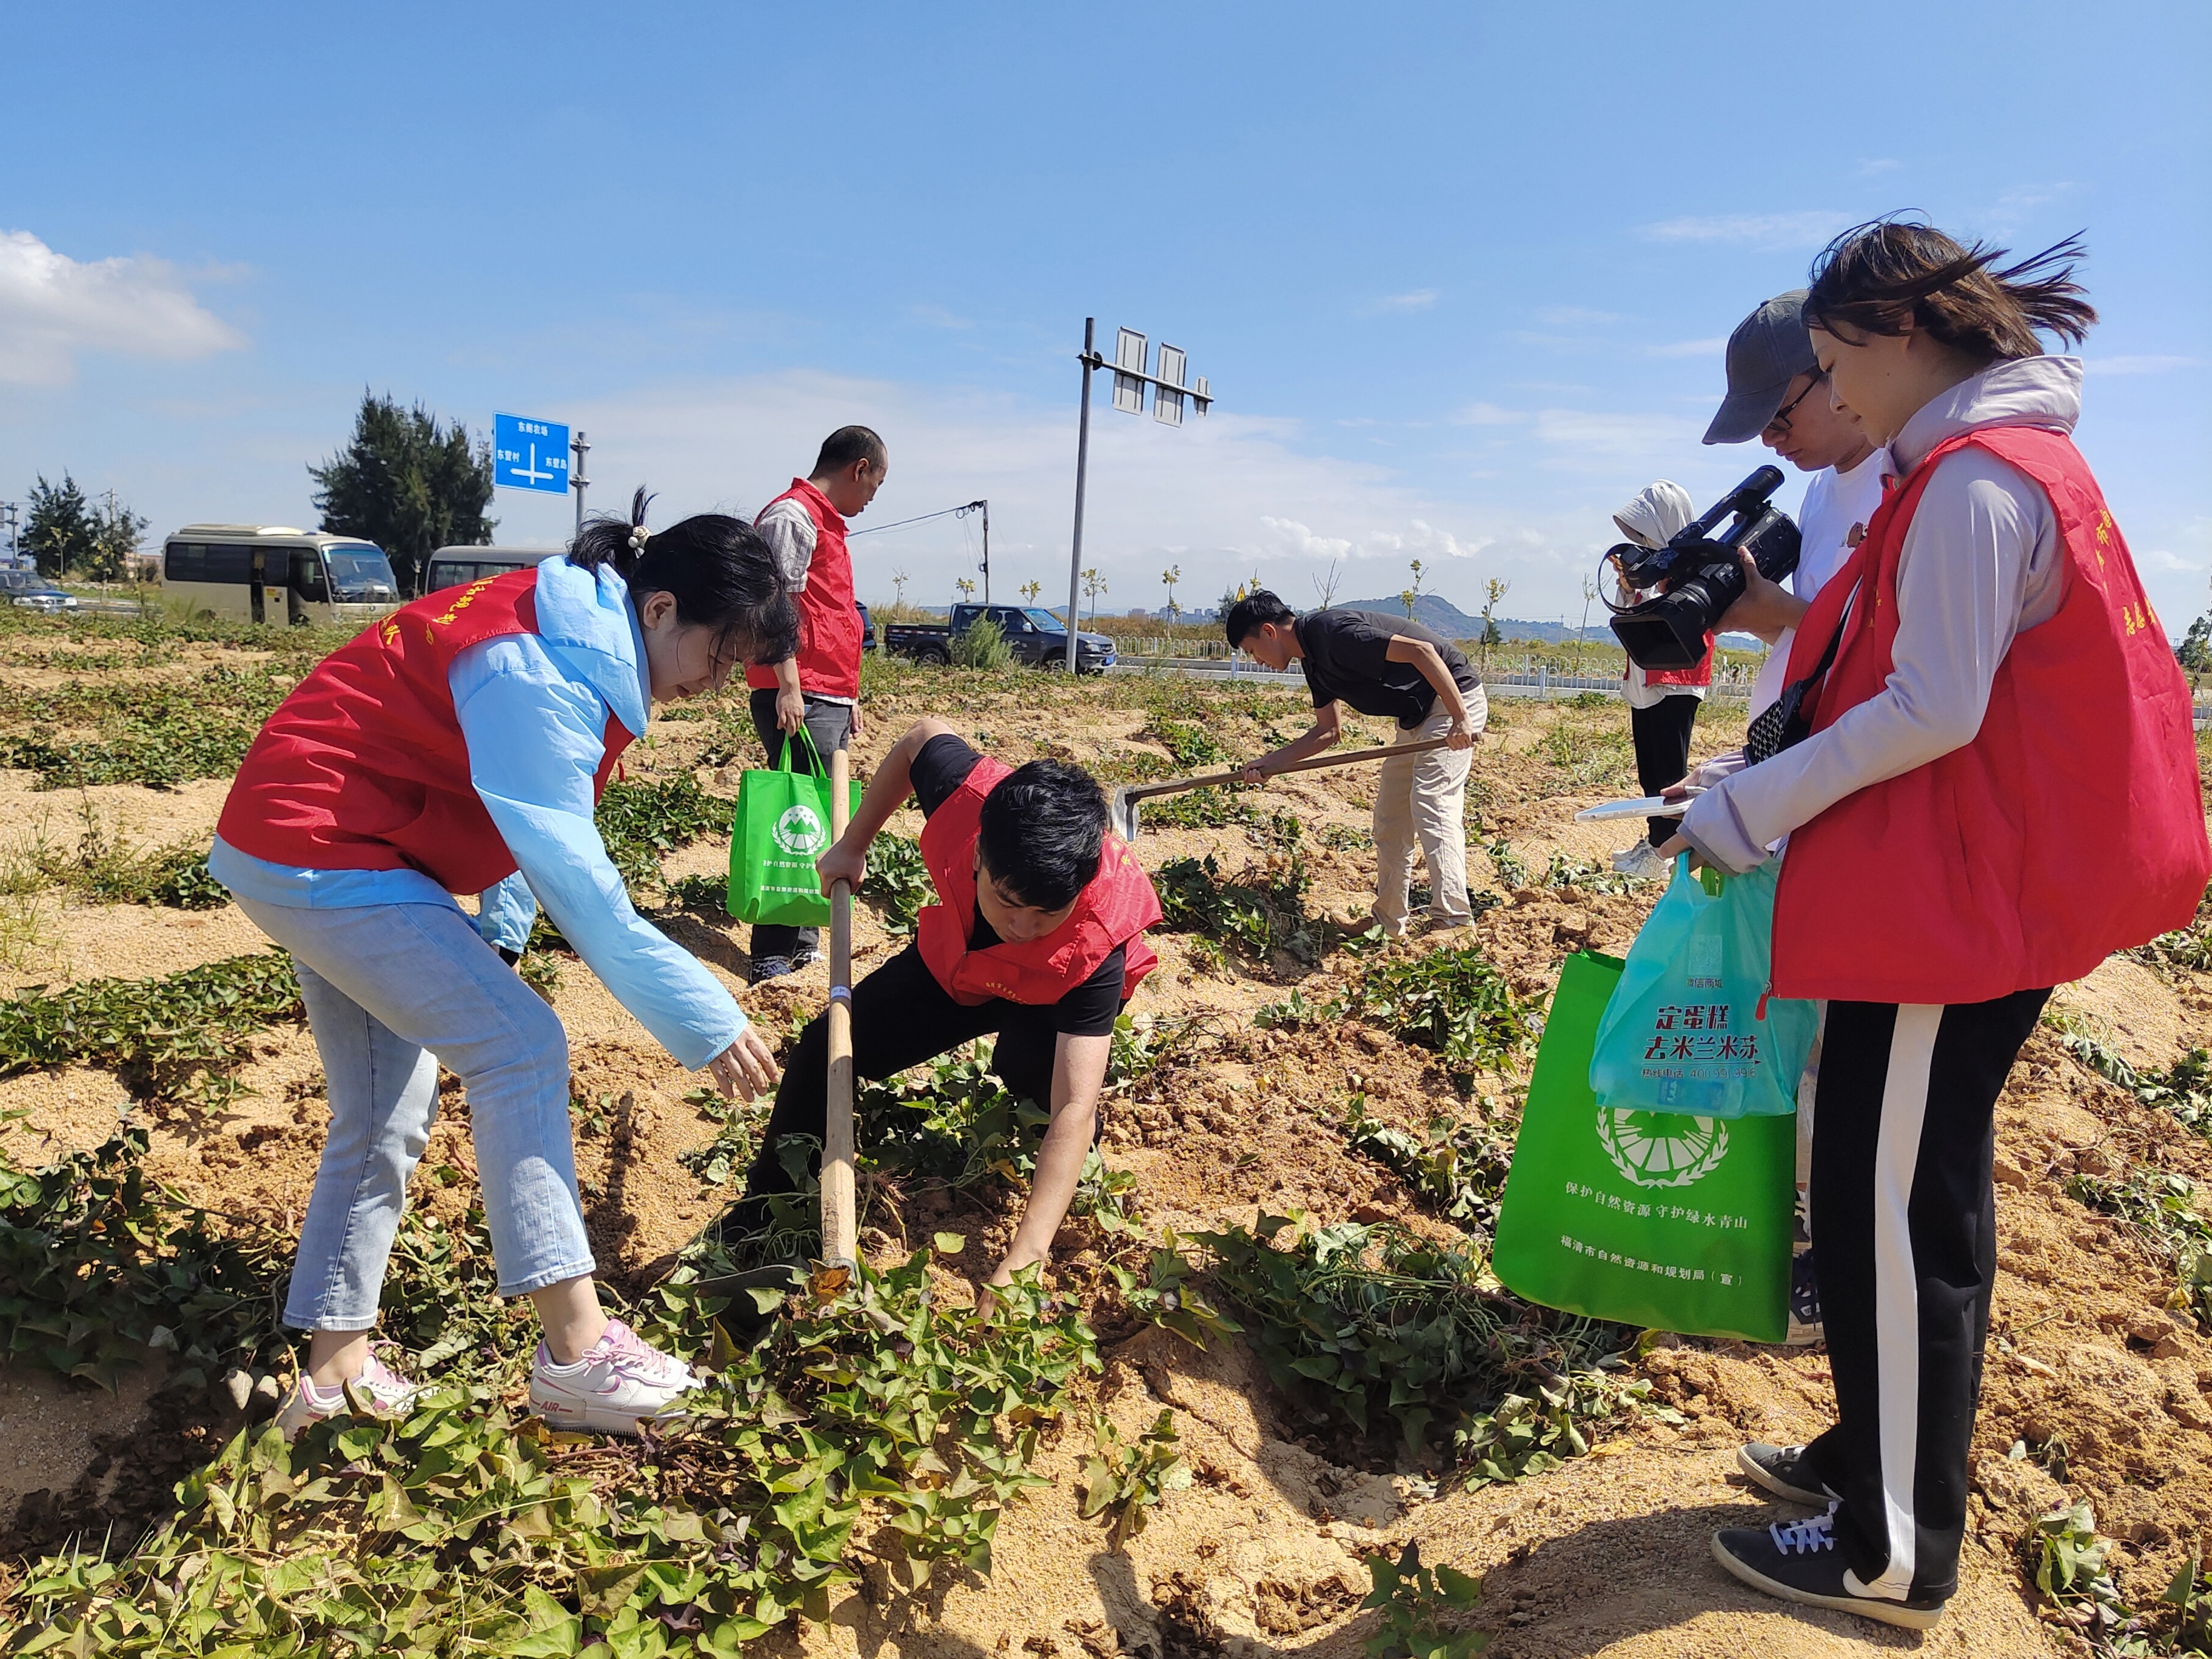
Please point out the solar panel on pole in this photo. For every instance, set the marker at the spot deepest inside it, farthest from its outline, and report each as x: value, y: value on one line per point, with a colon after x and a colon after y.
x: 1129, y: 347
x: 1167, y: 404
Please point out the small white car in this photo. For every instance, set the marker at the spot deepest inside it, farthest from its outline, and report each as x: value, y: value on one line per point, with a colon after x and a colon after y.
x: 39, y: 597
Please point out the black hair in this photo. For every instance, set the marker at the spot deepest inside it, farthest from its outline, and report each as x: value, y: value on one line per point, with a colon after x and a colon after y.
x: 720, y: 572
x: 1043, y: 824
x: 1877, y: 277
x: 846, y: 445
x: 1247, y: 613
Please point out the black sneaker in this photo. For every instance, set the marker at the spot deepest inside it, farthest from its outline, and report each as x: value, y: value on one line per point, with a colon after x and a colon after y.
x: 1801, y: 1564
x: 1786, y: 1472
x: 805, y: 956
x: 766, y: 967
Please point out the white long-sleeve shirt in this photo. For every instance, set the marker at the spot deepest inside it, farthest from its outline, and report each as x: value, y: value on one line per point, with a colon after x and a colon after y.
x: 1980, y: 564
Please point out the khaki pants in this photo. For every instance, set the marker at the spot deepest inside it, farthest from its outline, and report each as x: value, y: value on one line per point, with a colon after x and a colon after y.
x: 1425, y: 796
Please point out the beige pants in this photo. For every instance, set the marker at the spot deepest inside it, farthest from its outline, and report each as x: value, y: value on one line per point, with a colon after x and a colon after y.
x: 1423, y: 797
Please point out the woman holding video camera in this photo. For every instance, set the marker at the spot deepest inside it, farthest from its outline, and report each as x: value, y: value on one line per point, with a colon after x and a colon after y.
x: 1985, y: 765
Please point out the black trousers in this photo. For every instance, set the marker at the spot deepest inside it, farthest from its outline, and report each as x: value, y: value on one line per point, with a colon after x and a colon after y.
x: 901, y: 1017
x: 831, y: 725
x: 1662, y: 735
x: 1904, y: 1248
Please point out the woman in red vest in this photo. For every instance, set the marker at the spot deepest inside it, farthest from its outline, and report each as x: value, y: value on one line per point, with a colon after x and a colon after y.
x: 1985, y: 766
x: 461, y: 746
x: 1037, y: 936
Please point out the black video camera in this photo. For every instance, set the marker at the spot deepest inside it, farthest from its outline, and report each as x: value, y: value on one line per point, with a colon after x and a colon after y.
x: 1701, y: 574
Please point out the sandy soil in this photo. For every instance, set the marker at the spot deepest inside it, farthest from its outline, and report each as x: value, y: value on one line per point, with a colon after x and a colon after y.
x: 1606, y: 1555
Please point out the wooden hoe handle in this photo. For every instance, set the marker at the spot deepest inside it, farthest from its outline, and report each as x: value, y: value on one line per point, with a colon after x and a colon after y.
x: 1379, y: 751
x: 840, y: 1210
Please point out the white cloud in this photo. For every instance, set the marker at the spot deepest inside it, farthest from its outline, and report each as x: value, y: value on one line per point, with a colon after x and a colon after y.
x: 1689, y: 348
x: 1876, y: 168
x: 1608, y: 435
x: 2141, y: 365
x: 1420, y: 300
x: 1770, y: 231
x: 1300, y: 541
x: 937, y: 317
x: 53, y: 306
x: 1569, y: 316
x: 1481, y: 414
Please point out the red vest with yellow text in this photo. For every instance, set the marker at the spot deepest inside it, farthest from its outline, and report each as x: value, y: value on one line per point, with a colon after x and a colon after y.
x: 829, y: 640
x: 1114, y: 909
x: 363, y: 766
x: 2073, y: 824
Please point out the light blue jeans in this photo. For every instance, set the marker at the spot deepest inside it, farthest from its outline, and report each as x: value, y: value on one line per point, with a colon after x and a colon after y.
x: 391, y: 990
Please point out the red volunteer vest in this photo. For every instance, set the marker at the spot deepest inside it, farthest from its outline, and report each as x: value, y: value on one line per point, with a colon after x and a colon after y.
x: 1115, y: 908
x: 828, y: 626
x: 1700, y: 672
x: 364, y: 767
x: 2072, y: 826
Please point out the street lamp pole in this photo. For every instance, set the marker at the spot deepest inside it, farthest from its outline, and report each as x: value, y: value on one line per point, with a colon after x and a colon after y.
x: 579, y: 447
x: 1131, y: 382
x: 1089, y: 361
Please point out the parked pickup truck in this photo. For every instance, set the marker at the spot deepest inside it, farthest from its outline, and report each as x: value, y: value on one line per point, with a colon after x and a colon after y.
x: 1038, y: 636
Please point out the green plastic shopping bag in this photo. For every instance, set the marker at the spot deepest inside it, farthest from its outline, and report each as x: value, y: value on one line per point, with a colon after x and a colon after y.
x: 1691, y: 1027
x: 782, y: 825
x: 1670, y: 1221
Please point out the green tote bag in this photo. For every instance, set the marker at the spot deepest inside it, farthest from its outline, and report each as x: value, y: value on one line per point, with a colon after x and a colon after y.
x: 1670, y: 1221
x: 782, y: 825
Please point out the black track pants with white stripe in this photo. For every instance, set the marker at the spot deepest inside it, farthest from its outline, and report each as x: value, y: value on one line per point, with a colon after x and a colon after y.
x: 1905, y: 1245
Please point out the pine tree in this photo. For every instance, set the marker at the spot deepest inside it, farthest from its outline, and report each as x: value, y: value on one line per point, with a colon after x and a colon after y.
x: 62, y: 532
x: 407, y: 483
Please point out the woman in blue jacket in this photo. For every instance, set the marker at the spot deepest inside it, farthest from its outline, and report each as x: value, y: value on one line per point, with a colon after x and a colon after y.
x: 459, y: 745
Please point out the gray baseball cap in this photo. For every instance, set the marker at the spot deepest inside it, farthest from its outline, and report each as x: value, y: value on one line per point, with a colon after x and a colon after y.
x: 1769, y: 349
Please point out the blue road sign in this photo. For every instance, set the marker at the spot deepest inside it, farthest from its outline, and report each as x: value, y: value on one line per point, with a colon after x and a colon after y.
x: 527, y: 454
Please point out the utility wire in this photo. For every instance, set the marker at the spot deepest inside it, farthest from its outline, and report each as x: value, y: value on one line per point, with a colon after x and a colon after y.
x: 901, y: 524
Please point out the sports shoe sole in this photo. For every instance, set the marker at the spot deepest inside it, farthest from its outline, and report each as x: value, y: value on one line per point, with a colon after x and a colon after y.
x: 1866, y: 1607
x: 591, y: 1419
x: 1774, y: 1484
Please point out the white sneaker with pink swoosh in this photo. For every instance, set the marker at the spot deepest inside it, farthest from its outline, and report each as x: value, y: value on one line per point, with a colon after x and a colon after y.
x: 618, y: 1381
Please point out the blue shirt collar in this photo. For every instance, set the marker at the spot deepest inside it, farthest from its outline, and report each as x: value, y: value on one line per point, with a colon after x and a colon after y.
x: 589, y: 613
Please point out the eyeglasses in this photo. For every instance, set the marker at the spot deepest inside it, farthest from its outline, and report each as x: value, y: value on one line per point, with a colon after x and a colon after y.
x: 1780, y: 424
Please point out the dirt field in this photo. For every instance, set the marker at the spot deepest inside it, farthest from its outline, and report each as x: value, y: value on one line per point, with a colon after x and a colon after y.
x: 2099, y: 1380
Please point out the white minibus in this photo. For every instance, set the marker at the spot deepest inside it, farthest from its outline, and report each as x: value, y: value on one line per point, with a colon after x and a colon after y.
x: 457, y: 566
x: 276, y: 574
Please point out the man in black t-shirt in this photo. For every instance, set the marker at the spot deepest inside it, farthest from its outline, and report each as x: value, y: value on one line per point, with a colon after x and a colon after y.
x: 1054, y: 912
x: 1393, y: 666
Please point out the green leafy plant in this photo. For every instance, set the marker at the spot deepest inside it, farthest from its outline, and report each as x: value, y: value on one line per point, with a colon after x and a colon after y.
x: 641, y: 824
x: 178, y: 1038
x: 897, y: 876
x: 1459, y: 1168
x: 1167, y: 1296
x: 1123, y: 1482
x: 1512, y: 869
x: 1450, y: 1000
x: 159, y: 735
x: 1589, y: 875
x: 1361, y: 1324
x: 99, y: 1264
x: 459, y: 1530
x: 1259, y: 910
x: 983, y: 645
x: 1419, y: 1605
x: 2069, y: 1561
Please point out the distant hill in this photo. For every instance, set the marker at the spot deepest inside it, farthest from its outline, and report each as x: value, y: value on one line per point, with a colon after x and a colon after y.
x: 1454, y: 623
x: 1431, y: 610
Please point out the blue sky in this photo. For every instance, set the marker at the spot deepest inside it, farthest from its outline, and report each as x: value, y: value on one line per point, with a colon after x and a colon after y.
x: 1459, y: 275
